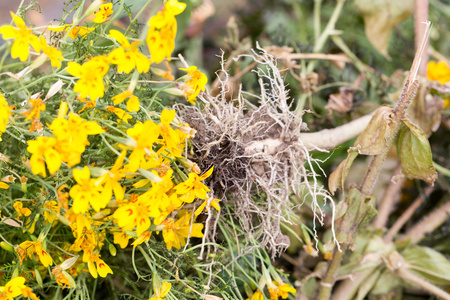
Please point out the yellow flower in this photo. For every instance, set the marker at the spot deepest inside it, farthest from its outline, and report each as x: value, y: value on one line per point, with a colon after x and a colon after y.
x: 34, y: 114
x: 162, y: 292
x: 54, y: 54
x: 144, y: 237
x: 12, y: 288
x: 91, y: 77
x: 438, y: 71
x: 4, y: 115
x: 23, y: 37
x: 121, y: 239
x: 193, y: 187
x: 214, y: 203
x: 71, y: 136
x: 74, y: 32
x: 111, y: 179
x: 120, y: 113
x: 282, y: 289
x: 86, y: 192
x: 257, y: 296
x: 127, y: 57
x: 36, y: 248
x: 23, y: 211
x: 102, y: 268
x: 136, y: 213
x: 104, y: 13
x: 144, y: 135
x: 173, y: 140
x: 196, y: 83
x: 163, y: 29
x: 27, y: 292
x: 175, y: 233
x: 42, y: 148
x: 133, y: 102
x: 50, y: 214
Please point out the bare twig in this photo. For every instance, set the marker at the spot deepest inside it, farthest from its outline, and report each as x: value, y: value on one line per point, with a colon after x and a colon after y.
x: 330, y: 138
x: 389, y: 198
x: 420, y: 16
x: 407, y: 215
x: 429, y: 224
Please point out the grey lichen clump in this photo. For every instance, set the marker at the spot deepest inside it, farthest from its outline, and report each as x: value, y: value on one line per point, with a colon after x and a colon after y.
x: 258, y: 157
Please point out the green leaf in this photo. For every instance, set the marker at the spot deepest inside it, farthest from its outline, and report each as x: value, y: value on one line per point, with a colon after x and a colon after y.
x: 361, y: 209
x: 415, y: 153
x: 367, y: 285
x: 373, y: 140
x: 381, y: 17
x: 386, y: 283
x: 429, y: 264
x: 337, y: 178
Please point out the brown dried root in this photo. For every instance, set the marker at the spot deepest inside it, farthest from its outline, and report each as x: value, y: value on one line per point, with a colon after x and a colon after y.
x: 258, y: 155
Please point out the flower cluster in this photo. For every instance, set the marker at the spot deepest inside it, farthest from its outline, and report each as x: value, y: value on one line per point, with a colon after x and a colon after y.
x: 98, y: 173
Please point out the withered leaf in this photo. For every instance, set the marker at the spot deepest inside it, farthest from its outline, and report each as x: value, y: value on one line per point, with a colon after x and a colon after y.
x: 373, y: 139
x: 381, y: 17
x: 361, y: 209
x: 337, y: 178
x: 342, y: 101
x: 415, y: 153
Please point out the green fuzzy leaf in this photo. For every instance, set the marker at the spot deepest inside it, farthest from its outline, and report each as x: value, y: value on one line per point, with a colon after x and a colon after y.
x: 386, y: 283
x: 429, y: 264
x: 361, y: 209
x: 415, y: 153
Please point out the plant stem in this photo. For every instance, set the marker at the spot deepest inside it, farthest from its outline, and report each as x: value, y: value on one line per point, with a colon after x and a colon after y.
x: 327, y: 282
x: 420, y: 16
x: 373, y: 171
x: 407, y: 215
x: 419, y: 281
x: 389, y: 198
x: 429, y: 224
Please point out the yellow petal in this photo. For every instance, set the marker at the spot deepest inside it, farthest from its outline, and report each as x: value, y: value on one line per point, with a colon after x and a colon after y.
x: 133, y: 104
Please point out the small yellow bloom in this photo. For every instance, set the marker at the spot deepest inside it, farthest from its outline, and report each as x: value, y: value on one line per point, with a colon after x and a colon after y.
x: 74, y: 32
x: 175, y: 233
x: 102, y: 268
x: 36, y: 248
x: 12, y: 288
x: 91, y: 76
x: 4, y: 115
x: 196, y: 83
x: 27, y: 292
x: 54, y: 54
x: 120, y: 113
x: 23, y: 38
x: 127, y: 57
x: 144, y: 135
x: 86, y: 192
x: 257, y: 296
x: 282, y: 289
x: 121, y: 239
x: 23, y: 211
x: 42, y: 148
x: 438, y: 71
x: 34, y: 114
x: 133, y: 102
x: 193, y: 187
x: 162, y: 292
x: 214, y: 203
x: 163, y: 29
x: 50, y: 214
x: 105, y: 11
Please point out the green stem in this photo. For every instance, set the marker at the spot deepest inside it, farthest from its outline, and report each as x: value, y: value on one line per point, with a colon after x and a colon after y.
x: 327, y: 282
